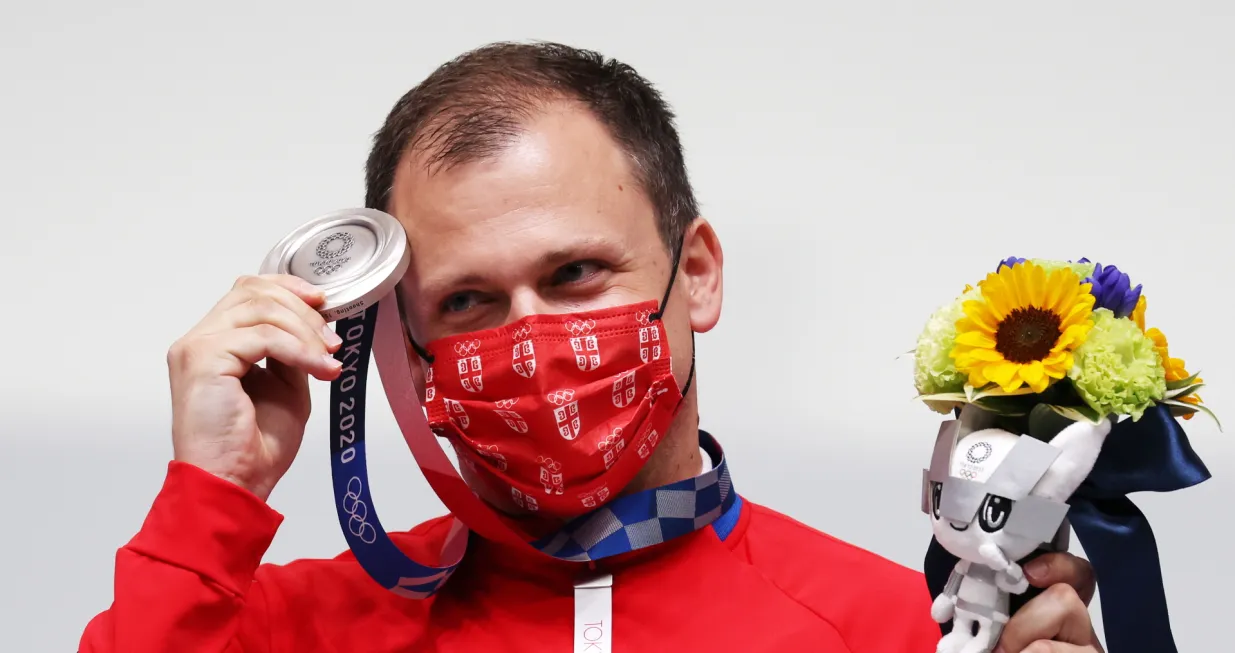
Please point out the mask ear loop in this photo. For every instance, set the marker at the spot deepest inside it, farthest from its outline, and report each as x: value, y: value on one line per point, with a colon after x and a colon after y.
x: 673, y: 275
x: 690, y: 377
x: 407, y: 330
x: 664, y: 302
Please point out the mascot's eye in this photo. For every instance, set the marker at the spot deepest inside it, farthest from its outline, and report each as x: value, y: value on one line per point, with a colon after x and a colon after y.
x: 936, y: 497
x: 994, y: 513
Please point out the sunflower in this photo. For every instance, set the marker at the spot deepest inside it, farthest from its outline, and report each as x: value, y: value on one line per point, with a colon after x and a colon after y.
x: 1024, y: 328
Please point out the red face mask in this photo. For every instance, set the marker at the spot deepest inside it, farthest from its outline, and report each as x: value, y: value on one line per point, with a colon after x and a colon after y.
x: 561, y: 411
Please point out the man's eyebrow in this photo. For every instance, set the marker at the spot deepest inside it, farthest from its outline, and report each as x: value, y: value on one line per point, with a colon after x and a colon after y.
x: 595, y: 246
x: 439, y: 287
x: 582, y: 248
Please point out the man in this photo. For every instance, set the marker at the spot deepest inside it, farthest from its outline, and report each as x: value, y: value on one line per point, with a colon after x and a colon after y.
x: 533, y: 181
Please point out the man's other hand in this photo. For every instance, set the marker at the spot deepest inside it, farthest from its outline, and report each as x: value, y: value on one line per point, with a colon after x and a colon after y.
x: 1056, y: 621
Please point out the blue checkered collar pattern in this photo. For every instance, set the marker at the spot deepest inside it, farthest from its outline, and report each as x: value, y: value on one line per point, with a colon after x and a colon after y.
x: 648, y: 518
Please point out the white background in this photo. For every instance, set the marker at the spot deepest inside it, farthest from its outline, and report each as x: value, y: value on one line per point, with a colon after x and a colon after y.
x: 861, y: 162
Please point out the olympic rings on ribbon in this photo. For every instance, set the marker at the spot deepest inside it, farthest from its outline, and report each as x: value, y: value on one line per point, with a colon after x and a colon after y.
x: 359, y: 511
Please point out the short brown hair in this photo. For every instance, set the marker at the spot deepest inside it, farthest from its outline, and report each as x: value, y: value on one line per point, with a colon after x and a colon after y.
x: 473, y: 105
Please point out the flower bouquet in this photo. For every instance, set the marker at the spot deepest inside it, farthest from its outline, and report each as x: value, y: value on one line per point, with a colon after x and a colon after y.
x: 1063, y: 403
x: 1068, y: 336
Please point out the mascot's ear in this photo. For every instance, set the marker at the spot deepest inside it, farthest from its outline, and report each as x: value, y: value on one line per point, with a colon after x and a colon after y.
x: 1080, y: 444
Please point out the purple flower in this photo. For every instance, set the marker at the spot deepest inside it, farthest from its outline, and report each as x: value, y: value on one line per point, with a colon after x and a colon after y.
x: 1113, y: 290
x: 1011, y: 262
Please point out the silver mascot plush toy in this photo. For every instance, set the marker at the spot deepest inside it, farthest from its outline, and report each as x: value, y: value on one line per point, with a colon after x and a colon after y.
x: 994, y: 497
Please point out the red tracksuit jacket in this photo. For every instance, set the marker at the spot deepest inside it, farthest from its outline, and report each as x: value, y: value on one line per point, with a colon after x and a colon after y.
x: 191, y: 581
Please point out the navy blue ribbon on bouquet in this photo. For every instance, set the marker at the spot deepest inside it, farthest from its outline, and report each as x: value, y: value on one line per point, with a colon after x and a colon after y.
x: 1149, y: 455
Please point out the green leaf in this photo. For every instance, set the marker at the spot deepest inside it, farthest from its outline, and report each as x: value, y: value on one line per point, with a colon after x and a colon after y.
x: 1183, y: 392
x: 1045, y: 422
x: 943, y: 403
x: 1187, y: 409
x: 996, y: 391
x: 958, y: 397
x: 1012, y: 405
x: 1182, y: 383
x: 1078, y: 413
x: 1193, y: 408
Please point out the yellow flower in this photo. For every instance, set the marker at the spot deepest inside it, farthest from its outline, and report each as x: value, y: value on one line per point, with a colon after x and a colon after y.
x: 1024, y: 328
x: 1138, y: 314
x: 1176, y: 369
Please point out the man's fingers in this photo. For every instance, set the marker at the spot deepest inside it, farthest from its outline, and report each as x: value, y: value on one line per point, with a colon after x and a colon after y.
x: 1055, y: 568
x: 1057, y: 614
x: 265, y: 310
x: 261, y: 301
x: 295, y: 379
x: 242, y: 348
x: 283, y: 286
x: 1059, y: 647
x: 307, y: 292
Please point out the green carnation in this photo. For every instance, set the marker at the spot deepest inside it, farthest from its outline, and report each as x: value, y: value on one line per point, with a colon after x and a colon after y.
x: 1082, y: 270
x: 1117, y: 371
x: 934, y: 371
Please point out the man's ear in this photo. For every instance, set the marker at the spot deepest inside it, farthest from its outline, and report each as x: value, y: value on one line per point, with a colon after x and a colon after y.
x: 1080, y: 444
x: 701, y: 267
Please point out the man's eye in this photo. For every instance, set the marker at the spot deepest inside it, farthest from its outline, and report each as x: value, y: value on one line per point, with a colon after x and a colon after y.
x: 576, y: 272
x: 459, y: 302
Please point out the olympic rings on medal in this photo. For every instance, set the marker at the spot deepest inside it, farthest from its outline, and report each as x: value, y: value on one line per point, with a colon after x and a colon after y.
x: 359, y: 511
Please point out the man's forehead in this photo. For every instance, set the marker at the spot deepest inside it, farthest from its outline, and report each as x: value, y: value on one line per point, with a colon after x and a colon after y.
x: 561, y: 188
x: 560, y: 158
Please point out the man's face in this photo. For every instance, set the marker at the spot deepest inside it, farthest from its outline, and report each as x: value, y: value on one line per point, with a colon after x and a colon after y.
x: 553, y: 224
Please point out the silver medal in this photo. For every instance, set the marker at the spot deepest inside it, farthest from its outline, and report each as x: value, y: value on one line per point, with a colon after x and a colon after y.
x: 356, y: 256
